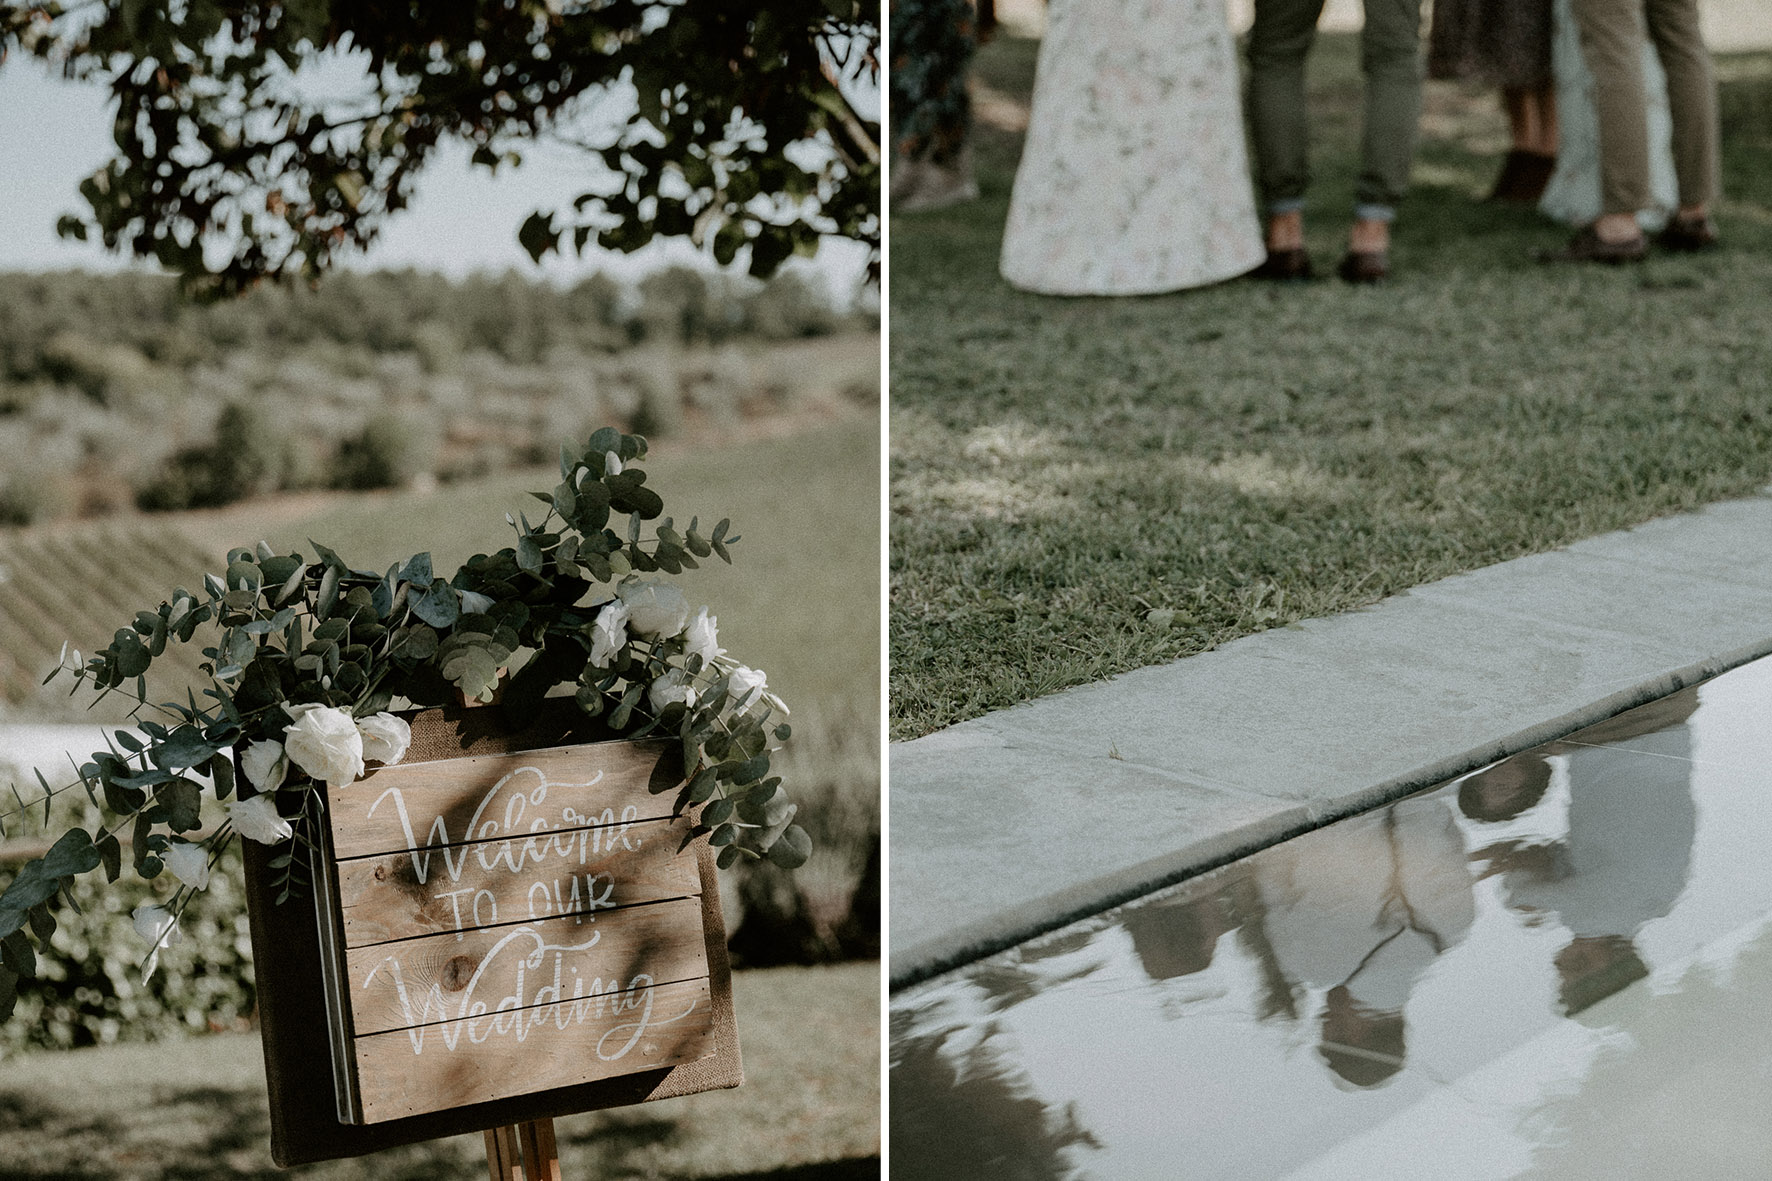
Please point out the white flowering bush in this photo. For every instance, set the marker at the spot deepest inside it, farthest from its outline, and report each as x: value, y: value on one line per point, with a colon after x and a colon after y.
x: 311, y: 659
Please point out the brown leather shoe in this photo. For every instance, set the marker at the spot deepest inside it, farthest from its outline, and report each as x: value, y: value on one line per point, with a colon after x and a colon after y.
x: 1588, y: 246
x: 1687, y: 234
x: 1365, y: 266
x: 1524, y: 177
x: 1284, y: 266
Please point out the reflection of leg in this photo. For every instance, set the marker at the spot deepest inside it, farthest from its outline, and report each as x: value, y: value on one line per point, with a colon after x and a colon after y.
x: 1279, y: 41
x: 1593, y: 967
x: 1691, y: 99
x: 1363, y: 1046
x: 1278, y: 996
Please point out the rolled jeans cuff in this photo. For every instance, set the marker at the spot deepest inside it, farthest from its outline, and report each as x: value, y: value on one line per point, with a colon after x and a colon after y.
x: 1284, y: 205
x: 1367, y: 211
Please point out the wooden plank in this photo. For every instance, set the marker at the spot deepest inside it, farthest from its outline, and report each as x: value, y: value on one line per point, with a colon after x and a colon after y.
x: 306, y: 1125
x: 641, y: 1029
x: 419, y: 808
x: 541, y: 1154
x: 572, y: 871
x: 442, y: 984
x: 502, y: 1161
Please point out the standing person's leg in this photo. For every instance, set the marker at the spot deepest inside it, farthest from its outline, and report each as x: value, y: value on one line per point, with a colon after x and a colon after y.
x: 1612, y: 45
x: 1390, y: 59
x: 1279, y: 42
x: 1692, y: 103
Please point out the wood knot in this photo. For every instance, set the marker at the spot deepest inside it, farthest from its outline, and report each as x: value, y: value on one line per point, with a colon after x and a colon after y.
x: 457, y: 972
x: 381, y: 873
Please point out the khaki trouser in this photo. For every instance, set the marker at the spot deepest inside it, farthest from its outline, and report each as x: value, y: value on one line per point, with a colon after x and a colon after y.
x: 1390, y: 59
x: 1611, y: 41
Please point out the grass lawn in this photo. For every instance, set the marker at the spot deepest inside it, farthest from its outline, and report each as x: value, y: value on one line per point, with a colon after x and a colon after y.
x: 1243, y: 456
x: 195, y: 1109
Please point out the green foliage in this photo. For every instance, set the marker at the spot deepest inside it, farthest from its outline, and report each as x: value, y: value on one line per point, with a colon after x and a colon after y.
x: 740, y: 138
x: 473, y: 376
x: 389, y: 452
x: 88, y: 988
x: 107, y: 334
x: 249, y: 457
x: 790, y: 305
x: 291, y: 632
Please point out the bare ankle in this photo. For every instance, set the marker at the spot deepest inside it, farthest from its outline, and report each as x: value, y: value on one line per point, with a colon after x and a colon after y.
x: 1285, y: 231
x: 1617, y: 227
x: 1369, y: 236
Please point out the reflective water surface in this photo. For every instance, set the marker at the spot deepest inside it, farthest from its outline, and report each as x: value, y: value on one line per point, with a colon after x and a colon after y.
x: 1557, y: 966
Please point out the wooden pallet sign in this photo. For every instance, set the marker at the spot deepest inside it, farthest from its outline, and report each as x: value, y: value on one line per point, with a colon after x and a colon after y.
x: 508, y: 923
x: 504, y: 935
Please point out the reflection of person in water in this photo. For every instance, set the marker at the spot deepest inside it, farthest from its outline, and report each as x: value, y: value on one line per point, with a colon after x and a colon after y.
x: 1178, y: 937
x: 1625, y: 857
x: 1174, y: 939
x: 1362, y: 910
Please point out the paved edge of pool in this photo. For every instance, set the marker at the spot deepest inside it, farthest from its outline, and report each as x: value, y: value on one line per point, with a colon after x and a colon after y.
x: 1013, y: 824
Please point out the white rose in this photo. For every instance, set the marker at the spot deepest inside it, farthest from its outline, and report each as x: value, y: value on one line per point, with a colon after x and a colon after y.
x: 156, y: 925
x: 747, y: 684
x: 324, y: 742
x: 264, y: 765
x: 385, y: 738
x: 609, y: 633
x: 189, y: 864
x: 257, y: 819
x: 702, y: 638
x: 673, y: 686
x: 654, y: 608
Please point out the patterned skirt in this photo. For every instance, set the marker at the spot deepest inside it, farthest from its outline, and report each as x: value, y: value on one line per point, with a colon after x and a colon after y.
x: 1134, y: 178
x: 1503, y: 43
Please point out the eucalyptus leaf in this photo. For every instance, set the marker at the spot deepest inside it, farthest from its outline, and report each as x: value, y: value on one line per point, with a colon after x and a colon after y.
x: 72, y: 853
x: 16, y: 954
x: 791, y: 849
x: 439, y: 606
x: 417, y: 570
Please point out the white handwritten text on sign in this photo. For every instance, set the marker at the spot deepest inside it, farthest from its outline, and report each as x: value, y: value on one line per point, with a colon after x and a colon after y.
x: 516, y: 922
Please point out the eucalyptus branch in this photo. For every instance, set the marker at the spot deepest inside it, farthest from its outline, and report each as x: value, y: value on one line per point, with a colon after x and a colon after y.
x: 301, y: 645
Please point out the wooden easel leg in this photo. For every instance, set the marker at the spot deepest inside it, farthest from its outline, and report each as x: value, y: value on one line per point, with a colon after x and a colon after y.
x: 541, y: 1156
x: 523, y: 1152
x: 502, y: 1162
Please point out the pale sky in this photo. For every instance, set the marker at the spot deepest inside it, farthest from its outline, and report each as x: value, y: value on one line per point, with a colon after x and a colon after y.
x: 54, y: 134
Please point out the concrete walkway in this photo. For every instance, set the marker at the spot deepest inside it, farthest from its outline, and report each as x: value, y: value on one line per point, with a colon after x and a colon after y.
x: 1020, y: 821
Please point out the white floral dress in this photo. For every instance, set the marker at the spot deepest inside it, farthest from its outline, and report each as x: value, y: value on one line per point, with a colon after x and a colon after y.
x: 1134, y: 178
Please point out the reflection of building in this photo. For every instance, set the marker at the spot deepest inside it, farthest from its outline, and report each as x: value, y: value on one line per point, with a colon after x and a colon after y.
x: 1361, y: 910
x: 1627, y: 852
